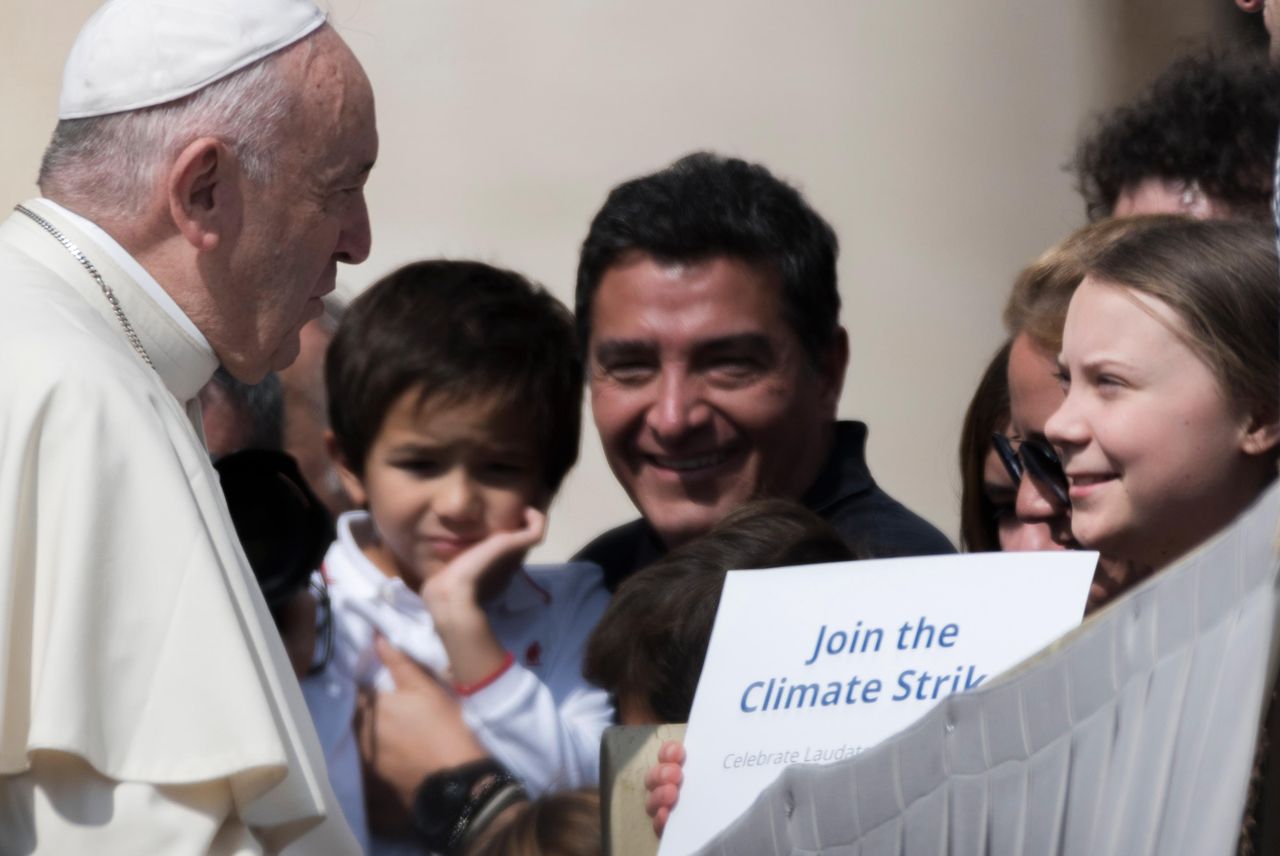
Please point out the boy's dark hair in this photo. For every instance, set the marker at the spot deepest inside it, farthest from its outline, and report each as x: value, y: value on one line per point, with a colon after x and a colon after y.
x: 705, y: 205
x: 1208, y: 118
x: 652, y: 640
x: 462, y: 330
x: 561, y: 823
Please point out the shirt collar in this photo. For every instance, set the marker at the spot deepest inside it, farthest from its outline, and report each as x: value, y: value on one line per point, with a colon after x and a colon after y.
x: 130, y: 265
x: 523, y: 592
x: 356, y: 527
x: 183, y: 362
x: 845, y: 471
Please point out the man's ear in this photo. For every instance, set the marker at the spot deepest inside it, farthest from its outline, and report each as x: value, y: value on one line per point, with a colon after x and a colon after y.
x: 1261, y: 435
x: 352, y: 484
x: 203, y: 190
x: 835, y: 360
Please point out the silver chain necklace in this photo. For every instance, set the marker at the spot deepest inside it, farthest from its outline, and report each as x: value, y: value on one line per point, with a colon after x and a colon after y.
x: 129, y: 332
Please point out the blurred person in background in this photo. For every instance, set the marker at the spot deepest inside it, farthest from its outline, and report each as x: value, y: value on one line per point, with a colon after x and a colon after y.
x: 306, y: 409
x: 649, y: 648
x: 238, y: 415
x: 990, y: 472
x: 1200, y: 141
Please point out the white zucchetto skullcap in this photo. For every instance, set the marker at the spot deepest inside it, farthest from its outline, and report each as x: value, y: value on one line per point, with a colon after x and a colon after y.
x: 139, y: 53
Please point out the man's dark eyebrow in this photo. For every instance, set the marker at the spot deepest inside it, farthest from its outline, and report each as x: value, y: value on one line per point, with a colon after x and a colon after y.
x: 418, y: 447
x: 736, y: 342
x: 615, y: 349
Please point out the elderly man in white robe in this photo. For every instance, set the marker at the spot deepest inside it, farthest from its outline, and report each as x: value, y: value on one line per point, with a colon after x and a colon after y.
x: 204, y: 181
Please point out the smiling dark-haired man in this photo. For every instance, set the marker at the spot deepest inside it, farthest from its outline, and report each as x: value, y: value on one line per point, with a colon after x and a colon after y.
x: 708, y: 308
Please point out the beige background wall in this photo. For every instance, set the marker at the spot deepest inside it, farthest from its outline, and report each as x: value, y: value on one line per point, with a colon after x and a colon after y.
x: 931, y: 135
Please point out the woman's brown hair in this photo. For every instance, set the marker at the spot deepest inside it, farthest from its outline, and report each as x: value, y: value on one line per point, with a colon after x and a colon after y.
x: 1037, y: 305
x: 988, y: 412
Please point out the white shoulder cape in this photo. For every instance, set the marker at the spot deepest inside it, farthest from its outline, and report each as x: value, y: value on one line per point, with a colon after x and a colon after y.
x: 132, y: 632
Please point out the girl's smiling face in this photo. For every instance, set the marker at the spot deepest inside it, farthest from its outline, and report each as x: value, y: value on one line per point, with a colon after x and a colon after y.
x: 1157, y: 457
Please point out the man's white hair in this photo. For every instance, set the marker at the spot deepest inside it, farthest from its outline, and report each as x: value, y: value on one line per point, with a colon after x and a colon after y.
x: 107, y: 166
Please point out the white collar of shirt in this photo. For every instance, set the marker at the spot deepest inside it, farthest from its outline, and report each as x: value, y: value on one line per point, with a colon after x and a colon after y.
x: 361, y: 590
x: 356, y: 528
x: 139, y: 274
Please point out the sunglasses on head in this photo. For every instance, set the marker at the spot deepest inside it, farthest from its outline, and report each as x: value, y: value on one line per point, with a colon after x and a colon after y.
x: 1035, y: 457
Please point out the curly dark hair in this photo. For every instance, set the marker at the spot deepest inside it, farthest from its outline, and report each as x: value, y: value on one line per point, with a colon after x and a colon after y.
x: 1210, y: 117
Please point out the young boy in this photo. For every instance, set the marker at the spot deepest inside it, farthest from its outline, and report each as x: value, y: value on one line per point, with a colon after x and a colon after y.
x: 648, y: 649
x: 455, y: 405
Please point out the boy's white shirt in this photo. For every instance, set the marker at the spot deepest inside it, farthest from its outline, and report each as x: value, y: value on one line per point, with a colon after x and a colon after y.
x: 539, y: 718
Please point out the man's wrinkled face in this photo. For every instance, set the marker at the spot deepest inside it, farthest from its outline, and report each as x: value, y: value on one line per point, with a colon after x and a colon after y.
x: 307, y: 218
x: 702, y: 393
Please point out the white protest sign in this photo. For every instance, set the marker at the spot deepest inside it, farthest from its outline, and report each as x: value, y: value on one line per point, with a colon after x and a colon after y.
x: 815, y: 663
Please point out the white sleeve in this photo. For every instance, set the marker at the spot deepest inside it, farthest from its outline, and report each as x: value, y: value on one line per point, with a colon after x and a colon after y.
x: 548, y: 745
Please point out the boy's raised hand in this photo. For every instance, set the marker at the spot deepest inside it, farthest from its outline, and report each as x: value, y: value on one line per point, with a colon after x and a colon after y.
x: 454, y: 594
x: 486, y: 559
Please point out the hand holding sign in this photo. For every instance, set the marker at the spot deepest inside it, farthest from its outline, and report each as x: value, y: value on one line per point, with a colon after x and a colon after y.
x: 662, y: 784
x: 813, y: 664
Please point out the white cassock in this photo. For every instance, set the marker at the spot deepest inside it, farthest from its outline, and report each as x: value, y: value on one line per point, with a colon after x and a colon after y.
x: 147, y: 702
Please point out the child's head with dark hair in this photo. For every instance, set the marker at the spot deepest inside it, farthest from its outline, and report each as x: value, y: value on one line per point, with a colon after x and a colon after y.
x: 649, y: 646
x: 564, y: 823
x: 455, y: 402
x: 462, y: 331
